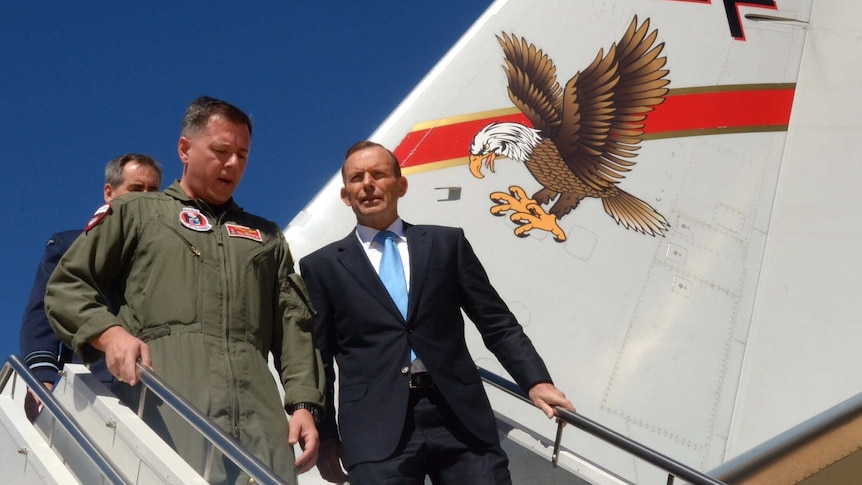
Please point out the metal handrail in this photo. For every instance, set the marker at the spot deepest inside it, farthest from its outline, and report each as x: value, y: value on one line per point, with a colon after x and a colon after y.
x: 753, y: 461
x: 228, y: 445
x: 106, y: 466
x: 673, y: 467
x: 218, y: 438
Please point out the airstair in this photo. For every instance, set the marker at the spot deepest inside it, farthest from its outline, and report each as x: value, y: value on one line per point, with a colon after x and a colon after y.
x: 86, y: 435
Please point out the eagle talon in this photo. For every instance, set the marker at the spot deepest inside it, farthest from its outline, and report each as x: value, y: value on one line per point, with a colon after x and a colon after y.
x: 526, y: 213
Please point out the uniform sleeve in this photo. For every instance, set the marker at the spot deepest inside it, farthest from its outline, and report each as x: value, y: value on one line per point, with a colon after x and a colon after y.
x: 325, y: 338
x: 301, y: 367
x: 39, y: 345
x: 74, y: 303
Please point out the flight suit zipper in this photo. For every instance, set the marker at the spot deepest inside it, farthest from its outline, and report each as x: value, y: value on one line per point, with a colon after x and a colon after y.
x: 224, y: 256
x: 192, y: 247
x: 233, y: 396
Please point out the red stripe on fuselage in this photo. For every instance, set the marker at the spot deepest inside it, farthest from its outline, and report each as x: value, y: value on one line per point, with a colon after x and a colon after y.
x: 684, y: 113
x: 697, y: 111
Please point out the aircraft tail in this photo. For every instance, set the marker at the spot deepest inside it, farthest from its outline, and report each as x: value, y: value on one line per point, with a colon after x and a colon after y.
x: 633, y: 213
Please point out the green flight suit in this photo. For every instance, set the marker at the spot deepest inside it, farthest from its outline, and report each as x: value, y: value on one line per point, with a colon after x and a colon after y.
x: 211, y: 296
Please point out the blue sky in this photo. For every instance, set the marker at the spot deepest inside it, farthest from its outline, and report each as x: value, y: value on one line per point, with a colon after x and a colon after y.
x: 82, y: 84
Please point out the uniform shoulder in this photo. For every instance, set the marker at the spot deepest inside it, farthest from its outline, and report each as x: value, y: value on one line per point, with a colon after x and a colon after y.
x: 131, y: 204
x: 133, y: 198
x: 60, y: 241
x: 69, y: 235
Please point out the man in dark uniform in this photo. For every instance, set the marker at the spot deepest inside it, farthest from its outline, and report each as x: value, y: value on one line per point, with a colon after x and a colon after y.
x: 39, y: 345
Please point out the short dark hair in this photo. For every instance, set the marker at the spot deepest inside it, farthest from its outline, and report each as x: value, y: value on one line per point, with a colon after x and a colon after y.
x: 203, y: 108
x: 114, y: 168
x: 362, y: 145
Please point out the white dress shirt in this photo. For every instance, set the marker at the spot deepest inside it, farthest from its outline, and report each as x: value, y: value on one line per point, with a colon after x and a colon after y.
x: 374, y: 250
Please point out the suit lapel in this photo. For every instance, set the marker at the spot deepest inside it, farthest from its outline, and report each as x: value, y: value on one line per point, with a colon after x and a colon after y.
x: 352, y: 257
x: 419, y: 245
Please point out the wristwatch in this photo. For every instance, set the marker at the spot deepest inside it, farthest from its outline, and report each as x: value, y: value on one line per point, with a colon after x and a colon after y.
x: 315, y: 412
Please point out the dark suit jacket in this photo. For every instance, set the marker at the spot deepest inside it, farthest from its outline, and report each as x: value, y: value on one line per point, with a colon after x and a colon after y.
x: 39, y: 345
x: 358, y: 324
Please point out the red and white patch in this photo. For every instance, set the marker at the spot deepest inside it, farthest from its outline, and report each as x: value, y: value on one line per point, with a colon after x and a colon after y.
x: 98, y: 217
x: 235, y: 230
x: 194, y: 220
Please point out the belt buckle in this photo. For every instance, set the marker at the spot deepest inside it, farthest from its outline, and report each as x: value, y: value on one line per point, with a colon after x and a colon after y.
x: 421, y: 380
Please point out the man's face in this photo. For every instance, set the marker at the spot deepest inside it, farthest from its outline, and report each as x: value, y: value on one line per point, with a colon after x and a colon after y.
x: 371, y: 188
x: 136, y: 178
x: 214, y: 160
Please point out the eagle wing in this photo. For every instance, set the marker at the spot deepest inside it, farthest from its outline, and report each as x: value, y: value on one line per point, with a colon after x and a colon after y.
x: 604, y: 107
x: 533, y: 86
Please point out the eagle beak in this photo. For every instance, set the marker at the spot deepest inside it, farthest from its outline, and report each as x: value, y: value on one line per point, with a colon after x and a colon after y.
x: 476, y: 164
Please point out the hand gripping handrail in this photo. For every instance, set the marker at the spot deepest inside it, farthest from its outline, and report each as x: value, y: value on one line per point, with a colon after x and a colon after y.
x: 106, y: 467
x: 673, y: 467
x: 218, y: 438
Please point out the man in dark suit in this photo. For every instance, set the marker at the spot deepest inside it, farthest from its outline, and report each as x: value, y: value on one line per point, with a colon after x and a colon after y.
x: 411, y: 402
x: 39, y: 345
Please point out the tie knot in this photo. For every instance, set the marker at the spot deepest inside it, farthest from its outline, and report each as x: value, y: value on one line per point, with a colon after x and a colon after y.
x: 382, y: 236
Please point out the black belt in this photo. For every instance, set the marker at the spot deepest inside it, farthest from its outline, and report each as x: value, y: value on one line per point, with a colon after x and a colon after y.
x: 421, y: 380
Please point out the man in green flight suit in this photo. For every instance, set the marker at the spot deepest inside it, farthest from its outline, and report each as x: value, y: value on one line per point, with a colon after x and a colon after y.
x: 206, y: 291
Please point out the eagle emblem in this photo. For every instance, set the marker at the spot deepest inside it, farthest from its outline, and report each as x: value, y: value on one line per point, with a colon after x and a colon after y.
x: 584, y: 136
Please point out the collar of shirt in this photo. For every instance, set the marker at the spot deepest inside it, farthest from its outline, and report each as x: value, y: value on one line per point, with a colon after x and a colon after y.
x: 374, y: 250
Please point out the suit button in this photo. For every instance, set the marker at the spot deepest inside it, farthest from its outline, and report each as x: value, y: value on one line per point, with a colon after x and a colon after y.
x: 405, y: 370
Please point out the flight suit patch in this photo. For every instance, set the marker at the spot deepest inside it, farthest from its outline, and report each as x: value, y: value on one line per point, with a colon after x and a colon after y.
x: 235, y: 230
x: 194, y: 220
x: 97, y: 218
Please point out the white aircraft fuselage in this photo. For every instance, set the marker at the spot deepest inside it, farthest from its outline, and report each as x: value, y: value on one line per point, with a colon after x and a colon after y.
x: 728, y: 318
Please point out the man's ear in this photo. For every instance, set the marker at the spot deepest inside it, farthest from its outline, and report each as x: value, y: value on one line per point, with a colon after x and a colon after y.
x: 344, y: 197
x: 183, y: 147
x: 109, y: 193
x: 402, y: 186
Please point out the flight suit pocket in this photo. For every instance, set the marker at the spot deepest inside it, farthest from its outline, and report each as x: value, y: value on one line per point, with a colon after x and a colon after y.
x: 296, y: 300
x: 260, y: 291
x: 165, y: 284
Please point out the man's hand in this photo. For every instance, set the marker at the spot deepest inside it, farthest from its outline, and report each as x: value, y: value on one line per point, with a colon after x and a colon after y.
x: 304, y: 431
x: 546, y: 396
x: 122, y: 351
x: 32, y: 403
x: 329, y: 461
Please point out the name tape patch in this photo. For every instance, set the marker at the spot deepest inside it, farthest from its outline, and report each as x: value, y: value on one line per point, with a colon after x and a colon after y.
x: 235, y: 230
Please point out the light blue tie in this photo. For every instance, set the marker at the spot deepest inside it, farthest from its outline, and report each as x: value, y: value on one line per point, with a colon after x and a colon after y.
x: 392, y: 274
